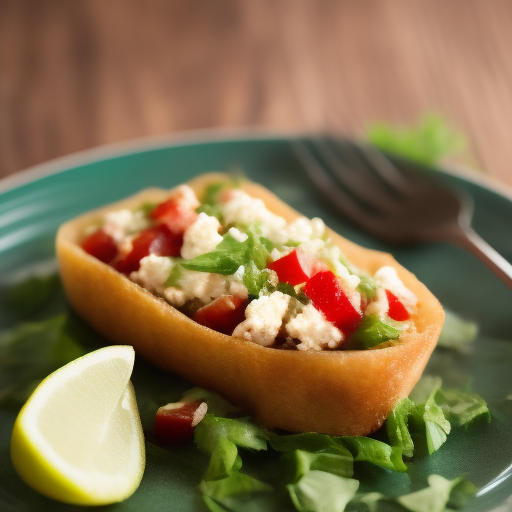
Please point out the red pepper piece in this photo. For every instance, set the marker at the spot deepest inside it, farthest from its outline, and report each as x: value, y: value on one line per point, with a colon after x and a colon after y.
x: 328, y: 297
x: 396, y: 310
x: 290, y: 269
x: 223, y: 314
x: 175, y: 214
x: 100, y: 245
x: 174, y: 423
x: 156, y: 240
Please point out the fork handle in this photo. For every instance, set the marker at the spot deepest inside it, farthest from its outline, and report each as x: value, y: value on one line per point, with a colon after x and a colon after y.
x: 468, y: 239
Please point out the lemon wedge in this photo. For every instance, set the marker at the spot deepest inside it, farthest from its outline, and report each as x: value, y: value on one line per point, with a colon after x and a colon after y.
x: 78, y: 439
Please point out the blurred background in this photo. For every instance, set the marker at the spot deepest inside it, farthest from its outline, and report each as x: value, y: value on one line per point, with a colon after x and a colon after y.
x: 82, y: 73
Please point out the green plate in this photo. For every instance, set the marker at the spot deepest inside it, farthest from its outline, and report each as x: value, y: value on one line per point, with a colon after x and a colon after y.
x: 34, y: 204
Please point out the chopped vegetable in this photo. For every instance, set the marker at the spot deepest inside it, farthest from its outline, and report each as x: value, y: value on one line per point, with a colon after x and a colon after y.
x: 372, y: 331
x: 327, y: 295
x: 174, y: 423
x: 319, y: 491
x: 158, y: 240
x: 223, y: 314
x: 425, y: 143
x: 396, y: 309
x: 290, y: 269
x: 457, y: 333
x: 100, y: 245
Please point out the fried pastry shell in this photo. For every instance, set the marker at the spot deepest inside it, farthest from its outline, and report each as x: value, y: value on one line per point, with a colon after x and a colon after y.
x: 343, y: 392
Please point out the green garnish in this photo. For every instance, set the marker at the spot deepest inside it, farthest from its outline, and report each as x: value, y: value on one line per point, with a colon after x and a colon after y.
x: 426, y: 143
x: 147, y: 208
x: 457, y: 334
x: 31, y: 294
x: 372, y: 332
x: 230, y: 254
x: 318, y: 491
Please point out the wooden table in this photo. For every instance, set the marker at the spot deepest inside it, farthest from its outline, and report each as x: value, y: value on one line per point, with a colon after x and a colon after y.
x: 77, y: 74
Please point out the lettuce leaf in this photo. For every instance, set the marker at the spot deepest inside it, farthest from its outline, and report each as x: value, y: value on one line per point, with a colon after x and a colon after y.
x: 397, y: 426
x: 223, y: 461
x: 236, y: 483
x: 224, y: 260
x: 426, y: 143
x: 30, y: 352
x: 366, y: 449
x: 242, y: 432
x: 31, y: 294
x: 457, y: 334
x: 230, y: 254
x: 372, y: 332
x: 461, y: 408
x: 318, y: 491
x: 301, y: 462
x: 363, y: 449
x: 433, y: 498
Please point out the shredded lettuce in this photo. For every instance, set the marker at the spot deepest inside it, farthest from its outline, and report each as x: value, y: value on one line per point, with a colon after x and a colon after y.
x: 31, y: 294
x: 426, y: 143
x: 255, y: 280
x: 433, y: 498
x: 437, y: 426
x: 242, y: 432
x: 397, y: 426
x: 31, y: 351
x: 363, y: 449
x: 230, y: 254
x: 461, y: 408
x: 224, y: 460
x: 318, y: 491
x: 457, y: 334
x: 236, y: 483
x: 372, y: 332
x: 301, y: 462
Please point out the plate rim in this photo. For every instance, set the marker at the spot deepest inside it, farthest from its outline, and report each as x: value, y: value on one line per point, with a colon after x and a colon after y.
x: 205, y: 135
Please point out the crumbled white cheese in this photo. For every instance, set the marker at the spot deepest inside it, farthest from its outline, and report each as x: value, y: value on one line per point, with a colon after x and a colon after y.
x: 201, y: 237
x: 379, y: 305
x: 277, y: 254
x: 120, y: 223
x: 203, y: 286
x: 241, y: 208
x: 263, y: 319
x: 313, y: 331
x: 153, y: 272
x: 187, y: 197
x: 175, y: 296
x: 388, y: 278
x: 237, y: 235
x: 303, y: 229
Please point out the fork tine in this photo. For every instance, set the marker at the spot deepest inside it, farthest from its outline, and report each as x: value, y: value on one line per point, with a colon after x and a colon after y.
x: 376, y: 161
x: 354, y: 175
x: 324, y: 182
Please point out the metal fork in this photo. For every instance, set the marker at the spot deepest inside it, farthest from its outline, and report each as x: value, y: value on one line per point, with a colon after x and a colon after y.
x: 391, y: 204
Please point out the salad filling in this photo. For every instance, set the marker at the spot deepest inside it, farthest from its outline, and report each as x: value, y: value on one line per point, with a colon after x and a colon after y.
x: 232, y: 265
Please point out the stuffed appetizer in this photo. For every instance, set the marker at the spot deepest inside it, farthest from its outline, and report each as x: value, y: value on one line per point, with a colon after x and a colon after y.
x: 227, y: 286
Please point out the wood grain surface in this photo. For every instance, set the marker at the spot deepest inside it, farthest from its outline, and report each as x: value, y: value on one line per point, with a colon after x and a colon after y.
x: 77, y: 74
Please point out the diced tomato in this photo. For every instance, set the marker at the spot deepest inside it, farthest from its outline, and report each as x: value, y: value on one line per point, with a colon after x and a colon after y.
x: 223, y: 314
x: 176, y: 213
x: 157, y: 240
x: 396, y: 309
x: 100, y: 245
x: 328, y: 297
x: 174, y: 423
x: 290, y: 269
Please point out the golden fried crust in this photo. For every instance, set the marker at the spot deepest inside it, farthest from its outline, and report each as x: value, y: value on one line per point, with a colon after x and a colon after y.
x: 332, y: 392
